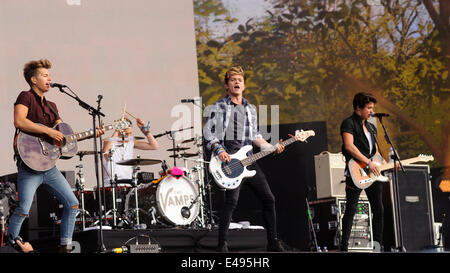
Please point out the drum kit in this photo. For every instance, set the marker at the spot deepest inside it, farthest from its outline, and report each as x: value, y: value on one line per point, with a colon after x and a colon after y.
x: 144, y: 201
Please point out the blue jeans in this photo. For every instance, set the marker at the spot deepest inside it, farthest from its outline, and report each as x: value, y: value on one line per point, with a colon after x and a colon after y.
x: 27, y: 183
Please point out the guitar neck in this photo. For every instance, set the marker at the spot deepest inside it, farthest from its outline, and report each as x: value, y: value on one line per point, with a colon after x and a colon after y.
x: 253, y: 158
x: 390, y: 165
x: 86, y: 134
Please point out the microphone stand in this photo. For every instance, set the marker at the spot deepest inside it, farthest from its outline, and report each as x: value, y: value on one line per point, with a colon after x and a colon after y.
x: 94, y: 113
x: 396, y: 193
x: 171, y: 133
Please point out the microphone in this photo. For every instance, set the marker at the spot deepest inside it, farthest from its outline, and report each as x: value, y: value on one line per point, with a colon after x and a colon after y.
x: 379, y: 115
x: 54, y: 84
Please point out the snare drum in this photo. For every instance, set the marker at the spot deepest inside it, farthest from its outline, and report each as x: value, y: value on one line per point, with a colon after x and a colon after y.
x: 166, y: 200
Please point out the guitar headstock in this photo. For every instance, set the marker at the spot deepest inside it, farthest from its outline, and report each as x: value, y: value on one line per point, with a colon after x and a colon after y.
x: 426, y: 158
x: 303, y: 135
x: 121, y: 124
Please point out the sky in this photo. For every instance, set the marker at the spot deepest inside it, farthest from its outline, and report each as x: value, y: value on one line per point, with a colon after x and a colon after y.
x: 242, y: 10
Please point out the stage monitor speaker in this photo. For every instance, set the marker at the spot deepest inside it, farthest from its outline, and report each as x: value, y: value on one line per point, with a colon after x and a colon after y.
x: 330, y: 179
x: 413, y: 218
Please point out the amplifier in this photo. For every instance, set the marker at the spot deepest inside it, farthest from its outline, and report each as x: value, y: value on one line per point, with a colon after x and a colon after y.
x: 330, y: 179
x: 327, y: 221
x: 361, y: 237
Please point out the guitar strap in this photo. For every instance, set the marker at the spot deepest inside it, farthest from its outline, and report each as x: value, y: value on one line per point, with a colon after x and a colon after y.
x: 374, y: 136
x: 52, y: 109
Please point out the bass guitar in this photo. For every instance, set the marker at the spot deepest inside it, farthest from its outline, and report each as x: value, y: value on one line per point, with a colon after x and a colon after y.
x: 40, y: 152
x: 229, y: 175
x: 363, y: 178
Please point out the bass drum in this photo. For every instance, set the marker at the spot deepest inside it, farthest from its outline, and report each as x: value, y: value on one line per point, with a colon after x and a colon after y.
x: 165, y: 202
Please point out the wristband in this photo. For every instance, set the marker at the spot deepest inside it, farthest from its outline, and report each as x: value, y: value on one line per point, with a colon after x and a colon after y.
x: 368, y: 165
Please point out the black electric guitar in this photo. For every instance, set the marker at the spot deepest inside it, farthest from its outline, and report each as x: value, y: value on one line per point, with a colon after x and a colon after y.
x: 40, y: 152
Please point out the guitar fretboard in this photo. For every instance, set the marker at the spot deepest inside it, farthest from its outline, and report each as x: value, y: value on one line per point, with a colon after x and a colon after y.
x: 85, y: 134
x: 390, y: 165
x: 251, y: 159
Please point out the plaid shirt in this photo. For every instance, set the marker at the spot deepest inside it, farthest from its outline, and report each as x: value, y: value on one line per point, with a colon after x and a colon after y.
x: 218, y: 118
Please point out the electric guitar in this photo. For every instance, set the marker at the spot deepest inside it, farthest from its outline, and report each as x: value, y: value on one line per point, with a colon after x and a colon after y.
x: 362, y: 178
x: 40, y: 152
x: 229, y: 175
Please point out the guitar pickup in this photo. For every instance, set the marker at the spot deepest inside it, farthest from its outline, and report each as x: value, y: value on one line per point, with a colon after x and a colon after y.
x: 218, y: 175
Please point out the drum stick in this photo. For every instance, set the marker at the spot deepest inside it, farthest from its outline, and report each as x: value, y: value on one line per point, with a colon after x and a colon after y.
x: 124, y: 110
x: 131, y: 115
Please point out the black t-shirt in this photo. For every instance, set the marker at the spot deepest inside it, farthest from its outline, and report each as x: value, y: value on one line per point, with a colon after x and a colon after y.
x: 353, y: 125
x: 235, y: 129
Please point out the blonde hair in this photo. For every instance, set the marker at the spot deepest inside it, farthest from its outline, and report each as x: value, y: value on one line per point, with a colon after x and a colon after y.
x: 31, y: 67
x: 235, y: 70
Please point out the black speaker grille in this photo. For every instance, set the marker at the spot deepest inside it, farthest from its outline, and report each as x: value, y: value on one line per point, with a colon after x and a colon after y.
x: 415, y: 221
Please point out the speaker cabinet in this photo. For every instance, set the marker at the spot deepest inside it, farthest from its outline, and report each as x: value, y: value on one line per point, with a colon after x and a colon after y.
x: 330, y: 180
x: 413, y: 208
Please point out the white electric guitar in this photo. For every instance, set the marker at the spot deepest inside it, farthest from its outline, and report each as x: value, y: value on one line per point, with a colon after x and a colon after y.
x: 363, y: 178
x: 229, y: 175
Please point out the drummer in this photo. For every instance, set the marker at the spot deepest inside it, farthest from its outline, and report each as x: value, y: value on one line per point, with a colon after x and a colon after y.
x: 122, y: 144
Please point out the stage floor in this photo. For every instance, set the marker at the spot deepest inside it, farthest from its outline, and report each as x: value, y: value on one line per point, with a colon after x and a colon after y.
x: 170, y: 240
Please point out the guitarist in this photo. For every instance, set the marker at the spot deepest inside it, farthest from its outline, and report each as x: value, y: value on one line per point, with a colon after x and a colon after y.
x: 359, y: 143
x: 230, y: 125
x: 30, y: 108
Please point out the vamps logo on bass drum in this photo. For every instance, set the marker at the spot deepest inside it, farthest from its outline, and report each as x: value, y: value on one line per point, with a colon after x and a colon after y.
x: 175, y: 198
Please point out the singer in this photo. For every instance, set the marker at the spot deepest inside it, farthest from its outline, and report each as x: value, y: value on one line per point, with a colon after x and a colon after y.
x: 31, y: 108
x: 360, y: 142
x: 231, y: 125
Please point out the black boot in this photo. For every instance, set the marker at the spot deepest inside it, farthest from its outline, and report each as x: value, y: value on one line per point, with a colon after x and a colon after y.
x: 275, y: 245
x: 222, y: 247
x: 343, y: 247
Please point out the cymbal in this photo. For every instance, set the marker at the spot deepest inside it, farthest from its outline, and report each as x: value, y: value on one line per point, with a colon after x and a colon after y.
x: 188, y: 140
x: 177, y: 149
x: 183, y: 155
x: 188, y: 155
x: 196, y: 139
x: 139, y: 161
x: 86, y: 153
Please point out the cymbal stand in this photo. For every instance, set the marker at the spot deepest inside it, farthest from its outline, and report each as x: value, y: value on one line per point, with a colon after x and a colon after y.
x: 134, y: 184
x: 201, y: 189
x: 188, y: 172
x: 79, y: 183
x: 113, y: 182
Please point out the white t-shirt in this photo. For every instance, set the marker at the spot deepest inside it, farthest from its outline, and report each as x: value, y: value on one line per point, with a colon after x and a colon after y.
x: 120, y: 153
x: 369, y: 138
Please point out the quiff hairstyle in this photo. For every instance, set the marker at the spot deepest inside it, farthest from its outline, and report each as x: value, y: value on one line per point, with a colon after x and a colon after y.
x: 31, y: 68
x: 235, y: 70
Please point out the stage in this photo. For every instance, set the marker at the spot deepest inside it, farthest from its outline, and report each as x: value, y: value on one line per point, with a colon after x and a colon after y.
x: 170, y: 240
